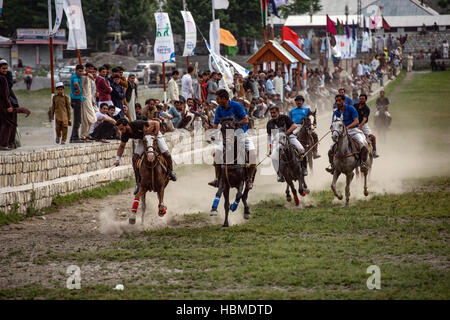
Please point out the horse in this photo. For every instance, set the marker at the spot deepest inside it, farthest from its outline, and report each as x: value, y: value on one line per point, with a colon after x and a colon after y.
x: 154, y: 178
x: 304, y: 135
x: 382, y: 123
x: 232, y: 175
x: 346, y: 160
x: 290, y: 166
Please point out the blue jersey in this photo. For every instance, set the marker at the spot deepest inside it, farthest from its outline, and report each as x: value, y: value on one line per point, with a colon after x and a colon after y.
x: 348, y: 101
x: 298, y: 114
x: 235, y: 110
x: 75, y: 78
x: 350, y: 114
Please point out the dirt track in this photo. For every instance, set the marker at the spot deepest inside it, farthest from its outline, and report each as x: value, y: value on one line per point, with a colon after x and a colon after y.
x: 97, y: 224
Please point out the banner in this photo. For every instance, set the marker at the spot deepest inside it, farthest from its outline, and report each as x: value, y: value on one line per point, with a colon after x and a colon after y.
x: 217, y: 64
x: 75, y: 22
x: 366, y: 43
x: 240, y: 69
x: 1, y: 7
x: 343, y: 46
x: 164, y: 47
x: 214, y: 36
x: 59, y: 8
x: 191, y: 34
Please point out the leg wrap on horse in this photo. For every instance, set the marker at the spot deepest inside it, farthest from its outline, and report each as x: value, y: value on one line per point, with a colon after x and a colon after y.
x: 135, y: 206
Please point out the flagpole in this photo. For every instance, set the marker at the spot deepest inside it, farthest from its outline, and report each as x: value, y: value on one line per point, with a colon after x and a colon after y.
x: 50, y: 37
x: 213, y: 13
x: 163, y: 65
x: 185, y: 9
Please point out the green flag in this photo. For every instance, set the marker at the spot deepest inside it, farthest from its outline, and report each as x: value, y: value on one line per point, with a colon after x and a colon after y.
x: 339, y: 28
x: 231, y: 51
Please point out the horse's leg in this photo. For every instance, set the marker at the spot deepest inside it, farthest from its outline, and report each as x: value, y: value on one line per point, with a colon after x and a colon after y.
x: 333, y: 184
x: 161, y: 207
x: 134, y: 208
x: 288, y: 194
x: 244, y: 201
x: 143, y: 208
x: 347, y: 187
x: 235, y: 204
x: 216, y: 201
x: 226, y: 195
x: 294, y: 192
x: 366, y: 191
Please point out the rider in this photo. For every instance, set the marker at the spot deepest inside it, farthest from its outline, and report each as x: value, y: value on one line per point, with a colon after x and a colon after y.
x: 298, y: 114
x: 227, y: 108
x: 283, y: 122
x: 137, y: 130
x: 382, y: 107
x: 363, y: 117
x: 350, y: 118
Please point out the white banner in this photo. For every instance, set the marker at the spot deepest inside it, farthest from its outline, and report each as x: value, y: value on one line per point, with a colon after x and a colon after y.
x: 220, y: 4
x: 164, y: 47
x: 75, y: 22
x: 214, y: 36
x: 354, y: 48
x: 1, y: 7
x: 240, y: 69
x: 59, y: 8
x: 343, y: 45
x: 191, y: 34
x: 366, y: 43
x: 217, y: 64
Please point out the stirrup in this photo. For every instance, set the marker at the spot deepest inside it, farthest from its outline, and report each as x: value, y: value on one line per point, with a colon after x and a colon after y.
x: 330, y: 170
x: 280, y: 179
x: 214, y: 183
x: 136, y: 190
x: 172, y: 176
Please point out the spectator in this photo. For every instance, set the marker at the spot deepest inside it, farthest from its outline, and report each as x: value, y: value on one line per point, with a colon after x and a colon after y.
x: 187, y: 90
x: 60, y: 111
x: 76, y: 96
x: 104, y: 128
x: 174, y: 111
x: 212, y: 87
x: 173, y: 91
x: 117, y: 94
x: 103, y: 88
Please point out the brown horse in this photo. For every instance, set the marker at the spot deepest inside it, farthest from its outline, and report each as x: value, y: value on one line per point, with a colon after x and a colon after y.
x: 154, y: 178
x: 306, y: 137
x: 232, y: 175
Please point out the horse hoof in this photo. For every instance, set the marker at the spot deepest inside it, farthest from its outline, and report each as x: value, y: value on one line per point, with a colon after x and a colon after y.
x: 224, y: 227
x: 213, y: 213
x: 233, y: 207
x: 132, y: 219
x: 303, y: 193
x: 340, y: 197
x: 366, y: 193
x: 162, y: 212
x: 288, y: 198
x: 246, y: 216
x: 307, y: 191
x: 297, y: 200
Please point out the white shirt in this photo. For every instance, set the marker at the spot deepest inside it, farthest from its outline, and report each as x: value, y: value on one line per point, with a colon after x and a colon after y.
x: 100, y: 116
x: 360, y: 70
x: 186, y: 86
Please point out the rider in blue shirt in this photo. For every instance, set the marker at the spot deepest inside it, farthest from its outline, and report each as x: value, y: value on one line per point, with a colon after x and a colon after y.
x: 226, y: 109
x: 298, y: 114
x: 350, y: 114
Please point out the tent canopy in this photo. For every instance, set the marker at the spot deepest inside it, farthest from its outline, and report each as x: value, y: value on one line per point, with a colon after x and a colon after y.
x: 272, y: 51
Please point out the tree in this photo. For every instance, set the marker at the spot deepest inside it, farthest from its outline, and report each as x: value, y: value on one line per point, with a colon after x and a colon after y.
x: 300, y: 7
x: 241, y: 18
x: 137, y: 17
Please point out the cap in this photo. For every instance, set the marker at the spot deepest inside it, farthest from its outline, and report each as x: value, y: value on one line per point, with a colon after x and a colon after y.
x: 3, y: 61
x: 246, y: 101
x: 214, y: 102
x: 59, y: 84
x: 299, y: 97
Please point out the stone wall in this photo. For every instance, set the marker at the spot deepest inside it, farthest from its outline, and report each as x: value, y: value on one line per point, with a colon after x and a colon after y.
x: 33, y: 176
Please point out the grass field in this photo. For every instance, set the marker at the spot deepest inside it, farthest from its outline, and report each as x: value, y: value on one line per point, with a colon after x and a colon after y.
x: 321, y: 251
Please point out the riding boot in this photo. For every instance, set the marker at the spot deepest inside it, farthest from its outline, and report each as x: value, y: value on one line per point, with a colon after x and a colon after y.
x: 170, y: 172
x: 280, y: 177
x: 364, y: 157
x: 374, y: 146
x: 251, y: 176
x: 215, y: 182
x: 331, y: 159
x: 137, y: 175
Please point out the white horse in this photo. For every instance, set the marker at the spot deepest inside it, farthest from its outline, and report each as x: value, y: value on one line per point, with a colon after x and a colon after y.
x: 346, y: 160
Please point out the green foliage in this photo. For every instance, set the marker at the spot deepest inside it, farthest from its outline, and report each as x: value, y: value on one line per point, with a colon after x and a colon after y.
x: 241, y: 18
x: 299, y: 7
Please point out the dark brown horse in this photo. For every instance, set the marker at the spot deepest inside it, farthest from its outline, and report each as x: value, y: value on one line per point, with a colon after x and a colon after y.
x: 232, y: 175
x: 305, y: 136
x: 154, y: 178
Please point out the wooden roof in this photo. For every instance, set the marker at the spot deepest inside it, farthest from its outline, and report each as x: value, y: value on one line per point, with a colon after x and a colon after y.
x: 272, y: 51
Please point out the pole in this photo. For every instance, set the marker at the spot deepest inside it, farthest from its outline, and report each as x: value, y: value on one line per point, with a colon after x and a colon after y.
x: 213, y: 13
x: 50, y: 36
x: 164, y: 81
x: 187, y: 62
x: 79, y: 57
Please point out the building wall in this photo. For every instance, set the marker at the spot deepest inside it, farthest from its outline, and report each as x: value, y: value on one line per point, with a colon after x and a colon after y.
x: 27, y: 52
x: 5, y: 53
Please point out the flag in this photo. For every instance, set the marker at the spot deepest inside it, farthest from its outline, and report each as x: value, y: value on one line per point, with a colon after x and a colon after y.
x: 231, y: 51
x: 279, y: 3
x: 191, y: 34
x: 347, y: 30
x: 386, y: 25
x: 218, y: 64
x: 365, y: 42
x: 353, y: 30
x: 214, y: 36
x: 164, y: 47
x: 1, y: 7
x: 227, y: 38
x: 59, y: 8
x: 75, y: 22
x: 339, y: 28
x: 365, y: 27
x: 331, y: 26
x: 288, y: 34
x: 264, y: 5
x: 273, y: 8
x: 240, y: 69
x: 220, y: 4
